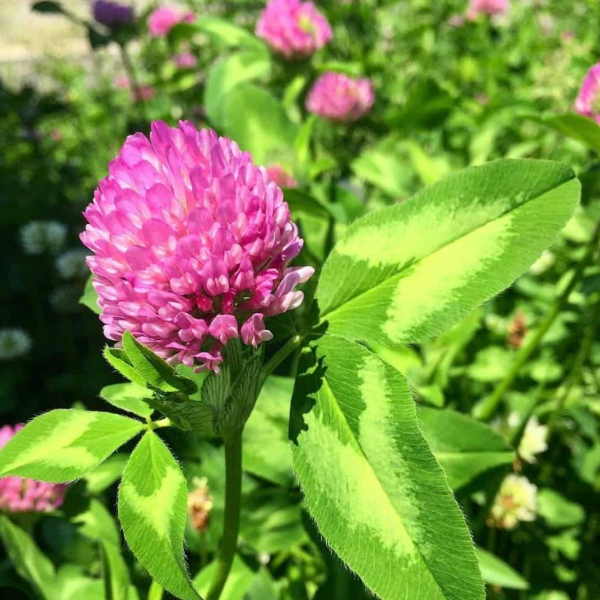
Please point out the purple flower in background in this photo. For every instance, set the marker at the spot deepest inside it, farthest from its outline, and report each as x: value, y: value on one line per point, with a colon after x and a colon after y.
x: 192, y: 244
x: 27, y: 495
x: 337, y: 97
x: 293, y: 28
x: 586, y: 103
x: 111, y: 14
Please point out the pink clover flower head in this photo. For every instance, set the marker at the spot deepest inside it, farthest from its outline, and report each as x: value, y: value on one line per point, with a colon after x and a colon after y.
x: 337, y: 97
x: 143, y: 93
x: 163, y: 19
x: 587, y: 103
x: 487, y: 7
x: 293, y: 28
x: 27, y: 495
x: 192, y: 244
x: 112, y: 14
x: 281, y: 177
x: 184, y: 60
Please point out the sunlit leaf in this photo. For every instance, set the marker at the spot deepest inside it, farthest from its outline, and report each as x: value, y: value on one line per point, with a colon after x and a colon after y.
x: 152, y: 511
x: 371, y: 482
x: 64, y: 445
x: 419, y: 267
x: 464, y: 447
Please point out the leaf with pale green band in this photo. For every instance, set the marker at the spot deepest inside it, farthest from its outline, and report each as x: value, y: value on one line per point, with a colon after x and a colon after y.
x: 152, y: 511
x: 407, y: 273
x: 64, y: 445
x: 465, y: 448
x: 371, y: 482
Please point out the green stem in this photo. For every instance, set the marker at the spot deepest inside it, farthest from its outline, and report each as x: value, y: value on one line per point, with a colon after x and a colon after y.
x: 166, y: 422
x: 281, y: 355
x: 578, y: 362
x: 486, y: 408
x: 133, y: 80
x: 155, y: 592
x: 233, y: 505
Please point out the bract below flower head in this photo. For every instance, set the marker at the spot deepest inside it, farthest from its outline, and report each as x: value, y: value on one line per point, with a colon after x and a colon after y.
x: 337, y: 97
x: 293, y: 28
x: 112, y: 14
x: 27, y: 495
x: 163, y: 19
x: 191, y: 245
x: 587, y: 100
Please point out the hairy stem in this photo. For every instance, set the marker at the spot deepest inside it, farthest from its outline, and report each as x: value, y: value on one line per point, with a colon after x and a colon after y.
x: 486, y: 408
x: 233, y: 505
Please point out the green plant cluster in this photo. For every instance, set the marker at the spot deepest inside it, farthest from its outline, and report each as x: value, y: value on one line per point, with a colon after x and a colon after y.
x: 426, y: 424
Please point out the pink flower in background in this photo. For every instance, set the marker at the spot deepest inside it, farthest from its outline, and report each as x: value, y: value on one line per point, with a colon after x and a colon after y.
x: 293, y: 28
x: 112, y: 14
x: 341, y: 98
x: 163, y: 19
x: 586, y: 103
x: 280, y: 177
x: 191, y: 245
x: 184, y: 60
x: 143, y: 93
x: 27, y: 495
x: 456, y: 20
x: 122, y: 82
x: 486, y: 7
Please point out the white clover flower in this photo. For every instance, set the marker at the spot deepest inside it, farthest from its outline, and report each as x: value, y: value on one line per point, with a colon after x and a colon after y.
x: 71, y: 264
x: 38, y: 237
x: 496, y: 324
x: 65, y: 298
x: 516, y: 501
x: 543, y: 263
x: 534, y: 440
x: 14, y: 343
